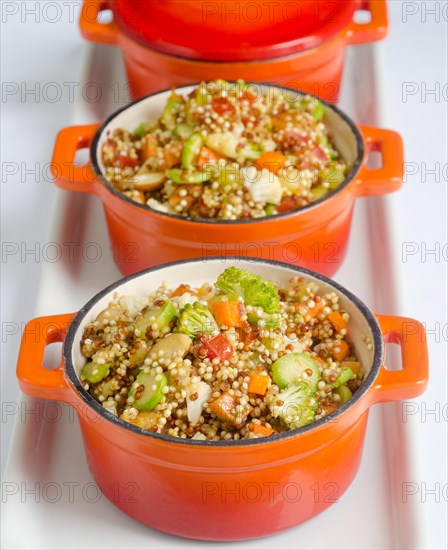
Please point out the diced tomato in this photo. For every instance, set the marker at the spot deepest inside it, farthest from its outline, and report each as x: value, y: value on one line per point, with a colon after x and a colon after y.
x: 126, y: 160
x: 294, y: 141
x: 288, y: 203
x: 219, y: 347
x: 172, y: 155
x: 222, y: 106
x: 248, y: 96
x: 319, y: 153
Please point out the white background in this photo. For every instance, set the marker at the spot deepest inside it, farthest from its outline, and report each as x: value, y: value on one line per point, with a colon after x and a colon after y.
x: 36, y: 52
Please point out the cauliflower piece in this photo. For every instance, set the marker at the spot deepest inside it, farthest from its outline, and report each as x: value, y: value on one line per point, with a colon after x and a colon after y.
x: 156, y: 205
x: 184, y: 299
x: 132, y: 304
x: 225, y: 144
x: 264, y: 186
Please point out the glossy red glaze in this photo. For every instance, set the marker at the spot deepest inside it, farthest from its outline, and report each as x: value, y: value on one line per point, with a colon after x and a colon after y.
x: 229, y: 30
x: 315, y: 70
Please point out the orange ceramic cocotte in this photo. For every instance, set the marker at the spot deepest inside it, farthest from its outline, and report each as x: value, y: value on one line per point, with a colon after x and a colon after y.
x: 314, y: 237
x: 176, y: 42
x: 225, y: 490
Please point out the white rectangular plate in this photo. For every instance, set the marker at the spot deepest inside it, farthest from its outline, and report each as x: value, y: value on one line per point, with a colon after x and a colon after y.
x: 49, y: 497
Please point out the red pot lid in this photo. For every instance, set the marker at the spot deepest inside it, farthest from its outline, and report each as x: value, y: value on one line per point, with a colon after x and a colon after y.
x: 232, y: 30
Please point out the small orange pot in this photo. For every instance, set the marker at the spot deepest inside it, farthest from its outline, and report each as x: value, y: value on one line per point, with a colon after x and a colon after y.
x: 312, y: 61
x: 314, y: 237
x: 224, y: 490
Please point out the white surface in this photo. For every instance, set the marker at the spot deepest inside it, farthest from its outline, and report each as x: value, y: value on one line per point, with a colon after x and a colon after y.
x: 40, y: 52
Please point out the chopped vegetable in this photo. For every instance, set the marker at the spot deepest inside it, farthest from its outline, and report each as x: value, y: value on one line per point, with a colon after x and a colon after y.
x: 149, y: 147
x: 169, y: 347
x: 219, y: 347
x: 340, y: 351
x: 295, y: 367
x: 147, y: 390
x: 158, y: 316
x: 183, y: 130
x: 354, y: 366
x: 345, y: 376
x: 254, y: 290
x: 225, y: 408
x: 182, y: 289
x: 263, y: 186
x: 169, y: 112
x: 295, y: 405
x: 337, y: 321
x: 147, y: 181
x: 207, y: 156
x: 344, y: 393
x: 94, y: 372
x: 271, y: 161
x: 138, y: 353
x: 261, y: 429
x: 192, y: 149
x: 196, y: 319
x: 228, y: 313
x: 316, y: 309
x: 258, y: 383
x: 140, y: 131
x: 224, y: 144
x: 180, y: 176
x: 198, y: 395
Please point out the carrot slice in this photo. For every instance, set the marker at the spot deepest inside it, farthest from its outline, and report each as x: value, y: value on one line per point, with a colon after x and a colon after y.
x: 316, y: 309
x: 343, y: 351
x: 271, y: 161
x: 258, y: 383
x: 228, y: 314
x: 260, y: 429
x: 337, y: 321
x: 354, y: 366
x: 207, y: 155
x: 182, y: 289
x: 224, y: 407
x: 149, y: 147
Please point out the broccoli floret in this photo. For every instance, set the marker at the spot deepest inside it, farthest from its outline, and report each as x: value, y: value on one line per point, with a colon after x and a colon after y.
x: 295, y: 405
x: 254, y: 290
x: 196, y: 318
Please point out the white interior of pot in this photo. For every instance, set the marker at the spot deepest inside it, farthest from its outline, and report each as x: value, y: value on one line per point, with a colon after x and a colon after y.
x: 152, y: 107
x: 198, y: 273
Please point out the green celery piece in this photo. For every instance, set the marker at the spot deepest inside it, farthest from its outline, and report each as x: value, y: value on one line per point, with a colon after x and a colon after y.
x: 140, y: 131
x: 181, y: 177
x: 168, y: 115
x: 344, y: 393
x: 152, y: 393
x: 192, y: 149
x: 163, y: 315
x: 333, y: 174
x: 94, y: 372
x: 289, y: 369
x: 183, y: 130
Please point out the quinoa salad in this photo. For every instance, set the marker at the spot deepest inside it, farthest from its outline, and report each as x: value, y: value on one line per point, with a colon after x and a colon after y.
x: 238, y: 359
x: 227, y: 151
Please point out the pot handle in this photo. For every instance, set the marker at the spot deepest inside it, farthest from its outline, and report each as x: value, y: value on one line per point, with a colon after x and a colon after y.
x: 65, y: 173
x: 34, y: 380
x: 389, y: 177
x: 412, y: 380
x: 91, y: 28
x: 375, y: 29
